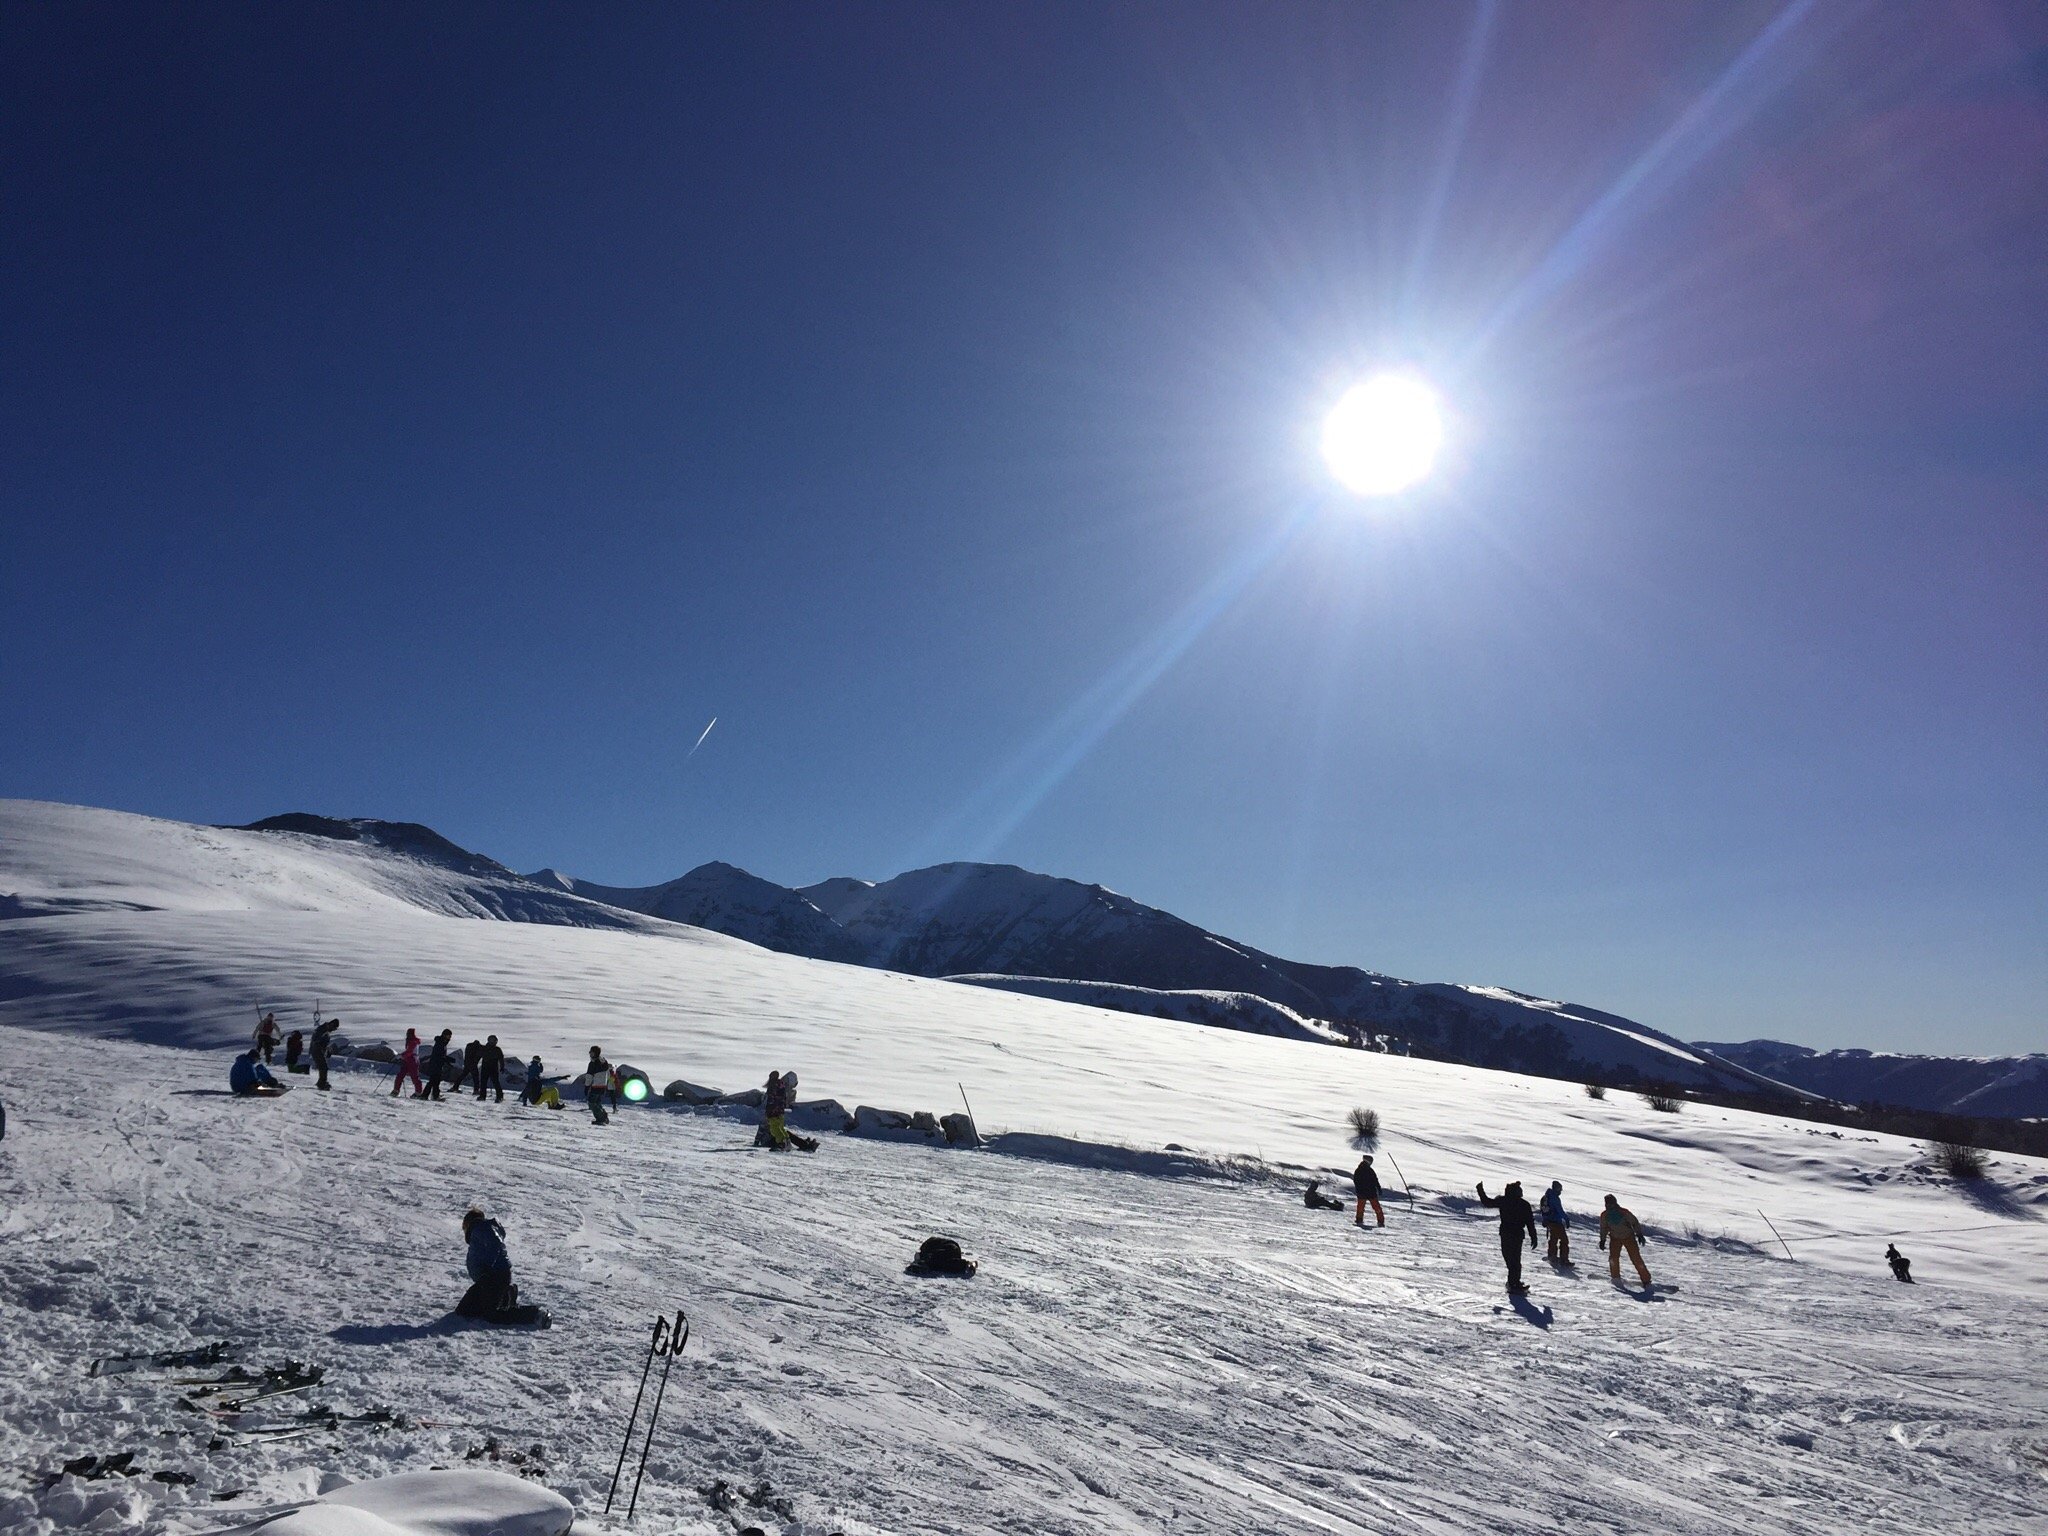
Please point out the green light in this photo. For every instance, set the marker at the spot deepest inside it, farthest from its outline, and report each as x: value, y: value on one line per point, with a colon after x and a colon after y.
x: 635, y: 1089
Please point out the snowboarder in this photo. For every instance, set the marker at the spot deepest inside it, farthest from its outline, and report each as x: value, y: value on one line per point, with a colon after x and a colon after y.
x: 248, y: 1078
x: 1902, y: 1267
x: 597, y: 1079
x: 491, y: 1297
x: 472, y: 1053
x: 437, y: 1064
x: 1552, y: 1207
x: 1316, y: 1200
x: 266, y: 1036
x: 535, y: 1087
x: 1516, y: 1220
x: 323, y: 1041
x: 490, y: 1062
x: 1366, y: 1183
x: 1620, y: 1230
x: 294, y: 1048
x: 409, y: 1065
x: 774, y: 1106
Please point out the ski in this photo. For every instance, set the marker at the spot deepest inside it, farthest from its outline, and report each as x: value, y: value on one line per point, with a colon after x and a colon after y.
x: 204, y: 1354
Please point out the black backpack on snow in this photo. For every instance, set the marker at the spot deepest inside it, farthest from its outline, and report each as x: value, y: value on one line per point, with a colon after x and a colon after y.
x: 941, y: 1256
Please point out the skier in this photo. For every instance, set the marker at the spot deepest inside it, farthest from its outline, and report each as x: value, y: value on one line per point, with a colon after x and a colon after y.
x: 409, y: 1066
x: 266, y: 1036
x: 1516, y: 1219
x: 1902, y: 1267
x: 597, y: 1078
x: 1367, y: 1185
x: 248, y: 1078
x: 323, y: 1040
x: 1552, y: 1207
x: 472, y: 1053
x: 1316, y: 1200
x: 294, y: 1047
x: 1619, y: 1229
x: 774, y: 1106
x: 437, y: 1064
x: 490, y: 1062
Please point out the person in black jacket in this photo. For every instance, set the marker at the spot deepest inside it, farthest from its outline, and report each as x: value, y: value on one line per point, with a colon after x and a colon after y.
x: 1516, y: 1221
x: 1316, y: 1200
x: 490, y: 1062
x: 472, y: 1053
x: 323, y: 1040
x: 437, y: 1063
x: 1367, y: 1184
x: 1902, y: 1267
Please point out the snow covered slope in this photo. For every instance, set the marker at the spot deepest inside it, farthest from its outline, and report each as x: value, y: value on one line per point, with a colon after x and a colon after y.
x: 1219, y: 1010
x: 728, y: 900
x: 1197, y: 1355
x: 2010, y: 1086
x: 188, y: 930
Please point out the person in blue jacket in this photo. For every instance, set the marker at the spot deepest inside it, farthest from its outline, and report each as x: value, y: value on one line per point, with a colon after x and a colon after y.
x: 248, y: 1078
x: 1551, y: 1207
x: 491, y: 1289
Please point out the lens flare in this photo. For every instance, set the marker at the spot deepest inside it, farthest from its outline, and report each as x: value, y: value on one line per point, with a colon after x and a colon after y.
x: 1382, y: 436
x: 635, y: 1089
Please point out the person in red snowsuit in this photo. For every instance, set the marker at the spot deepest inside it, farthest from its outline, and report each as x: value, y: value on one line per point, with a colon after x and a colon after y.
x: 409, y: 1065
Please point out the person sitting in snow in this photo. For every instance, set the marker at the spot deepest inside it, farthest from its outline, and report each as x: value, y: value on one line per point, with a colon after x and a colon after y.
x: 248, y: 1078
x: 1316, y: 1200
x: 294, y: 1048
x: 538, y: 1090
x: 1902, y: 1267
x: 491, y: 1289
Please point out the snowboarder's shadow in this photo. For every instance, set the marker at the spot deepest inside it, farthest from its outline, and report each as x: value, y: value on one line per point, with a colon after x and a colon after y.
x: 397, y: 1333
x: 1529, y: 1312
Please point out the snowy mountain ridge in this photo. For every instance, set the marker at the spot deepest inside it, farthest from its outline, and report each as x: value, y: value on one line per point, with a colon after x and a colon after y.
x: 2013, y: 1087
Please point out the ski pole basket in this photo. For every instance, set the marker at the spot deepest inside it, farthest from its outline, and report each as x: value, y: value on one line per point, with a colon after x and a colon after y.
x: 668, y: 1341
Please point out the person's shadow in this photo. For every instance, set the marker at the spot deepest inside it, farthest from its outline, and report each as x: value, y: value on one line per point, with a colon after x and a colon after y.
x: 396, y: 1333
x: 1529, y: 1312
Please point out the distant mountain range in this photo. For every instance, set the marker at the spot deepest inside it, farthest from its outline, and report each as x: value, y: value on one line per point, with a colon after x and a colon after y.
x: 995, y: 925
x: 2012, y: 1087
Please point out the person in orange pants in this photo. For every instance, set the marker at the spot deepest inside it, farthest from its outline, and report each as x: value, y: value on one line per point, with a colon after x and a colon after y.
x: 1367, y: 1183
x: 1620, y: 1230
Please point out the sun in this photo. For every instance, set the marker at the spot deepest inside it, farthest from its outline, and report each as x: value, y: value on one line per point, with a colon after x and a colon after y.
x: 1382, y: 436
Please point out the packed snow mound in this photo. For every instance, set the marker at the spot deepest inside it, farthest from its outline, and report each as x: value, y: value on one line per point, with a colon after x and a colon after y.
x: 2008, y: 1086
x: 441, y: 1503
x: 728, y: 900
x: 57, y: 859
x: 1219, y: 1010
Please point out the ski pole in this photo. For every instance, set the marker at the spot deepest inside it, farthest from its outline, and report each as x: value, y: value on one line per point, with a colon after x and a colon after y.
x: 1405, y: 1190
x: 678, y: 1336
x: 1778, y: 1235
x: 660, y: 1326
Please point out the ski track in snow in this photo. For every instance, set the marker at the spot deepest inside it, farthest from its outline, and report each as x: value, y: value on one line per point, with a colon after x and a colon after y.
x: 1137, y: 1354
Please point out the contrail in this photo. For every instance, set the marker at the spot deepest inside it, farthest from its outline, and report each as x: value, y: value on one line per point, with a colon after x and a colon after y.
x: 700, y: 740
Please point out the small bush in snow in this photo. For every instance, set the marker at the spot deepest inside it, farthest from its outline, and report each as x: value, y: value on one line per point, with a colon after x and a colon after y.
x: 1364, y: 1123
x: 1958, y: 1159
x: 1596, y: 1090
x: 1666, y: 1103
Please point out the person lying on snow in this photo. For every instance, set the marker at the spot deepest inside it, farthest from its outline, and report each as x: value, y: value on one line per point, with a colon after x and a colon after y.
x: 1316, y: 1200
x: 491, y: 1297
x: 248, y: 1078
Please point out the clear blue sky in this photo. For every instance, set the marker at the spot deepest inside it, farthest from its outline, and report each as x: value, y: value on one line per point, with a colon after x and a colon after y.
x: 440, y: 413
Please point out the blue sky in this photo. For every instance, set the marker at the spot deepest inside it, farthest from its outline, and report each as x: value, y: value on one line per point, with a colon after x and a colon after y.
x: 441, y: 416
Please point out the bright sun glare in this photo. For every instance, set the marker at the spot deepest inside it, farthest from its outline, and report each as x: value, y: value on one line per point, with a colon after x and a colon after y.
x: 1383, y: 435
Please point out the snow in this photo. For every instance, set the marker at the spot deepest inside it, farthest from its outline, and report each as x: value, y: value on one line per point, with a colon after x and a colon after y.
x: 1161, y: 1337
x: 437, y: 1503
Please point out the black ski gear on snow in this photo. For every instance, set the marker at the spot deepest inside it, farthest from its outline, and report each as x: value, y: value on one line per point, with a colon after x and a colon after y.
x: 1516, y: 1221
x: 1902, y: 1267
